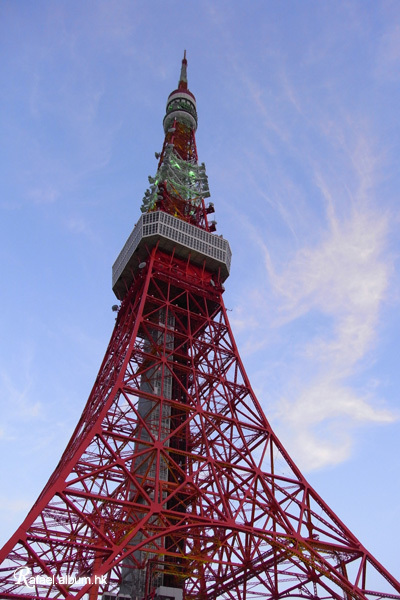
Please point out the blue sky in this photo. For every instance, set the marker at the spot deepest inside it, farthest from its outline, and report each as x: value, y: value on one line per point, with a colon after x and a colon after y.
x: 299, y: 130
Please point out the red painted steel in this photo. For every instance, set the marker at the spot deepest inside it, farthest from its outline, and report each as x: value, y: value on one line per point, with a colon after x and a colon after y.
x: 174, y: 474
x: 234, y: 518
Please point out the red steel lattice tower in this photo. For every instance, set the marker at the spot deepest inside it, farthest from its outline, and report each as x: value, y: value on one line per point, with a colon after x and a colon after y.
x: 173, y: 485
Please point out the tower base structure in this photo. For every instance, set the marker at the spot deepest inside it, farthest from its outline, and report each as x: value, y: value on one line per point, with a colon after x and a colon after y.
x: 174, y: 472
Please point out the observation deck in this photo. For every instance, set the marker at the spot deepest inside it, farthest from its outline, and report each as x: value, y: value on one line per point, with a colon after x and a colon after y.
x: 171, y: 233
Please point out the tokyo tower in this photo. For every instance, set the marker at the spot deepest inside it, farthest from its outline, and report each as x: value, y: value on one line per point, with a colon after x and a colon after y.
x: 174, y: 485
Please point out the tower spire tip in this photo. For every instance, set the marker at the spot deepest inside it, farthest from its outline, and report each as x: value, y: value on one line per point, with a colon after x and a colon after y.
x: 183, y: 85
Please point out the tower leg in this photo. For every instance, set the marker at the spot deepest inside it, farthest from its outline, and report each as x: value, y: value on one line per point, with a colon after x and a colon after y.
x: 174, y: 479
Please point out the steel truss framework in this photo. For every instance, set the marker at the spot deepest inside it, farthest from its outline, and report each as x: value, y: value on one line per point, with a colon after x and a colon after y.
x: 199, y: 484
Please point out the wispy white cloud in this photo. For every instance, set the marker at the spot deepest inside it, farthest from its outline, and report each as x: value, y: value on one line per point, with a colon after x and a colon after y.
x: 79, y: 225
x: 345, y: 280
x: 46, y: 194
x: 319, y: 423
x: 17, y: 409
x: 345, y: 274
x: 328, y: 291
x: 15, y: 393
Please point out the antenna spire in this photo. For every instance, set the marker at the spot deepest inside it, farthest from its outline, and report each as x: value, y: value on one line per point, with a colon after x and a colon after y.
x: 182, y: 85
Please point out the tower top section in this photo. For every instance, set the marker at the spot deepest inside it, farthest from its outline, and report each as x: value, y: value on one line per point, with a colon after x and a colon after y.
x: 175, y: 216
x: 181, y: 103
x: 182, y: 85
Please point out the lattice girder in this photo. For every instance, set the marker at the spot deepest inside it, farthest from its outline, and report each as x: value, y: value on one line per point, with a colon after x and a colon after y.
x: 173, y: 469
